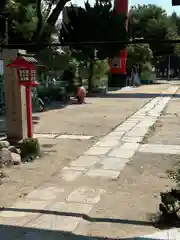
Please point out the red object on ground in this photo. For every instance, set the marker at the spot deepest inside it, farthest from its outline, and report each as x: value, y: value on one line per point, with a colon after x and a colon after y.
x: 26, y: 73
x: 121, y: 6
x: 81, y: 93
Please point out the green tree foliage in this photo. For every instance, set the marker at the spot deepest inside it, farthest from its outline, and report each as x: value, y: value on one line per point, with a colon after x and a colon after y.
x: 152, y: 23
x: 55, y: 58
x: 95, y: 24
x: 30, y: 21
x: 22, y: 22
x: 138, y: 54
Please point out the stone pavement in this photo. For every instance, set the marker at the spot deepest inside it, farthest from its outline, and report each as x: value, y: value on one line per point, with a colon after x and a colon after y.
x: 98, y: 116
x: 114, y: 150
x: 62, y: 205
x: 172, y: 234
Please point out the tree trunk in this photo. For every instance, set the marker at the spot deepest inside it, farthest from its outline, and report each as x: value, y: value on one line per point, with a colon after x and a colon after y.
x: 91, y: 71
x: 79, y: 76
x: 52, y: 19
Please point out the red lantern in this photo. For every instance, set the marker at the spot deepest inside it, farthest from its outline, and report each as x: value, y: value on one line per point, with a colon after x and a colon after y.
x: 26, y: 73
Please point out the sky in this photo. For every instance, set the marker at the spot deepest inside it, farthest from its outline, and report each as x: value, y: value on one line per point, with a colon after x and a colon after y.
x: 166, y: 4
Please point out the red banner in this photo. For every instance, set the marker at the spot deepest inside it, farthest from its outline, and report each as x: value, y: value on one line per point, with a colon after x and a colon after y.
x: 118, y: 64
x: 121, y: 6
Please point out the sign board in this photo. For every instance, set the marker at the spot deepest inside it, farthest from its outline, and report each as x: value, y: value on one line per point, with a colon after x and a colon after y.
x: 116, y: 63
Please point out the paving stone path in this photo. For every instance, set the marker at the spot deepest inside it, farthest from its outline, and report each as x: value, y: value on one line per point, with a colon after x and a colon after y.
x: 104, y: 160
x: 109, y: 156
x: 61, y: 136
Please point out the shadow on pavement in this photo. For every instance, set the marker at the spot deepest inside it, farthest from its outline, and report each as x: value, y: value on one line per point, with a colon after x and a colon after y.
x: 79, y: 215
x: 58, y: 105
x: 35, y: 119
x: 8, y: 232
x: 135, y: 95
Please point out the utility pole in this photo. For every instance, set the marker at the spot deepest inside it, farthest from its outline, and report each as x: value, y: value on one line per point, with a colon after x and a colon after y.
x: 6, y: 28
x: 169, y: 68
x: 6, y: 31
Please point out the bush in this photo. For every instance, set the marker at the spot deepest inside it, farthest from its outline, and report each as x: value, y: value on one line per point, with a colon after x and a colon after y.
x: 169, y: 207
x: 55, y: 94
x: 30, y: 149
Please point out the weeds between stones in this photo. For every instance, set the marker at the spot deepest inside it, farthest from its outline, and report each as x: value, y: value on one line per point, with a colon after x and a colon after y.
x: 152, y: 129
x: 30, y: 149
x: 2, y: 175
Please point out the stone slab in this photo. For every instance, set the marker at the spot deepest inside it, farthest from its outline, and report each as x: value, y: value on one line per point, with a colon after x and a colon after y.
x: 85, y: 161
x: 132, y: 139
x: 24, y: 204
x: 45, y: 194
x: 108, y: 143
x: 141, y: 112
x: 153, y: 114
x: 136, y: 117
x: 171, y: 234
x: 161, y: 149
x: 45, y: 135
x: 76, y: 137
x: 130, y: 145
x: 121, y: 153
x: 112, y: 163
x: 85, y: 195
x: 54, y: 222
x: 111, y: 138
x: 97, y: 151
x: 137, y: 132
x: 75, y: 168
x: 116, y: 133
x: 133, y: 121
x: 145, y: 124
x: 106, y: 173
x: 69, y: 175
x: 125, y: 127
x: 67, y: 207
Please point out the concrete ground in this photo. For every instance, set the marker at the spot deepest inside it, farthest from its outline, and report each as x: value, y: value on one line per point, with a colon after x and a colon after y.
x: 86, y: 199
x: 98, y: 117
x: 167, y: 129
